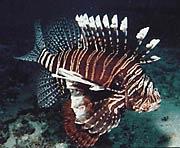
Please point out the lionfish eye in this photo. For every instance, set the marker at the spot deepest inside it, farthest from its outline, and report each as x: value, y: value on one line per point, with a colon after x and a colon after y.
x: 117, y: 82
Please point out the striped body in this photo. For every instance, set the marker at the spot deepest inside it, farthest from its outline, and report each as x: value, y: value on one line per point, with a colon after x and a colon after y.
x: 98, y: 66
x: 106, y: 69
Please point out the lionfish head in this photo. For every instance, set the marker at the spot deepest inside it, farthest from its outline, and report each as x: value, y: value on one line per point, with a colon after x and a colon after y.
x: 145, y: 97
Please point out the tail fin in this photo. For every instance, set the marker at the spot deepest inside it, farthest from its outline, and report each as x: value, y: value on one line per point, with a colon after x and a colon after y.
x: 39, y: 45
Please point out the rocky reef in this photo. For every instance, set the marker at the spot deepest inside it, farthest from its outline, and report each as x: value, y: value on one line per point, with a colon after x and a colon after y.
x: 32, y: 131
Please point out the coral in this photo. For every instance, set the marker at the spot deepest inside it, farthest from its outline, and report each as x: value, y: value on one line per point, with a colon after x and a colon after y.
x: 34, y: 131
x: 23, y: 128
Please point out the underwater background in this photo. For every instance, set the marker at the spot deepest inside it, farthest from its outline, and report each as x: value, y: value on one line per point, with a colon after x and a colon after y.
x: 24, y: 125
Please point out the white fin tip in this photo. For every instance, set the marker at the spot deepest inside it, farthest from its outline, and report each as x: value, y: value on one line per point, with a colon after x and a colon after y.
x: 114, y: 22
x: 105, y: 21
x: 92, y: 22
x: 77, y: 18
x: 155, y: 58
x: 152, y: 43
x: 124, y: 25
x: 85, y: 19
x: 98, y: 22
x: 142, y: 33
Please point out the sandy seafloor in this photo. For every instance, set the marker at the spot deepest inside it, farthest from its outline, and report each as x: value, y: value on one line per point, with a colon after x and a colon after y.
x: 24, y: 126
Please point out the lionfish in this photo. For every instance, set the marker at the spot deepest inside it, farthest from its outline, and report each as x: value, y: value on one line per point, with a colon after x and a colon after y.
x: 93, y: 71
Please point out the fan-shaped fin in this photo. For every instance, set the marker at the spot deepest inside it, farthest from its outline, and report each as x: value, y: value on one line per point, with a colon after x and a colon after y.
x: 50, y: 91
x: 61, y: 35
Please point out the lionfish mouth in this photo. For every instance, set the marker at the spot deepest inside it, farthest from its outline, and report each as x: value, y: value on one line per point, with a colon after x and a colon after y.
x: 149, y: 104
x: 147, y: 107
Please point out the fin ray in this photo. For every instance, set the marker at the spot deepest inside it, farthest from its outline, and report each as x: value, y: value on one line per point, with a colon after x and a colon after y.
x: 49, y: 90
x: 108, y: 34
x: 61, y: 35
